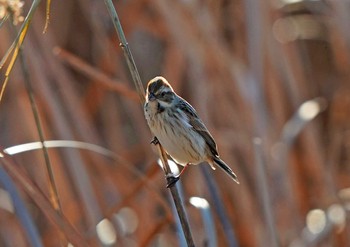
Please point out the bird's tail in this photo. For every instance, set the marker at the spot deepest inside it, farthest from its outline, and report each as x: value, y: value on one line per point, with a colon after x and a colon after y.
x: 226, y: 168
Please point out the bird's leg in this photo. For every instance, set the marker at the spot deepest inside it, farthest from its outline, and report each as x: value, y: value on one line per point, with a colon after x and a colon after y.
x: 173, y: 179
x: 154, y: 141
x: 183, y: 169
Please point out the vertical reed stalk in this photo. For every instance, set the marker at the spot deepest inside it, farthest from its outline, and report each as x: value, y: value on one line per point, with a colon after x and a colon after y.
x: 139, y: 87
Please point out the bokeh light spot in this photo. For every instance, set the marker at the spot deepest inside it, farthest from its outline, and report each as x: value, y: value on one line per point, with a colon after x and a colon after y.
x: 316, y: 221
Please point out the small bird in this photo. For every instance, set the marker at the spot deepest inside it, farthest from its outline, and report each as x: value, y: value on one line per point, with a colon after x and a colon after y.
x: 178, y: 128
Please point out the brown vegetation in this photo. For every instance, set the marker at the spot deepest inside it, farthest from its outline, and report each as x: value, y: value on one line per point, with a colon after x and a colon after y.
x: 269, y: 79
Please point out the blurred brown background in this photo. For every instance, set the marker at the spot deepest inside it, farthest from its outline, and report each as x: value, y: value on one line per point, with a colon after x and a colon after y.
x: 269, y: 79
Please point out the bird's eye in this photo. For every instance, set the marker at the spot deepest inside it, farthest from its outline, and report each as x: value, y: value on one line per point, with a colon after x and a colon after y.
x: 162, y: 94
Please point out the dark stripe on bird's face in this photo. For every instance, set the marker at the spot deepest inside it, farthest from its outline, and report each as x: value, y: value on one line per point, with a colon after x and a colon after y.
x: 160, y: 109
x: 166, y: 96
x: 154, y: 86
x: 160, y: 90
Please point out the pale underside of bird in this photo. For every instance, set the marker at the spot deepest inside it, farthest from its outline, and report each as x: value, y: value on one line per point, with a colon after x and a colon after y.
x: 178, y: 128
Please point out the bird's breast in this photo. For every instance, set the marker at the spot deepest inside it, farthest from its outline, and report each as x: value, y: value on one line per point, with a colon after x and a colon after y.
x: 176, y: 135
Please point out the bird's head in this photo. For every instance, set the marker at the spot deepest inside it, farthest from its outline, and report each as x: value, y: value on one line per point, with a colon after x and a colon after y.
x: 160, y: 91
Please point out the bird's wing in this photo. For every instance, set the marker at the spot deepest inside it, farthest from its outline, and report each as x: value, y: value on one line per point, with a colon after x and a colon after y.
x: 198, y: 125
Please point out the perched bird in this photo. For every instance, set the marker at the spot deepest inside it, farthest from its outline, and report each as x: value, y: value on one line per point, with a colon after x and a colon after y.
x: 177, y: 127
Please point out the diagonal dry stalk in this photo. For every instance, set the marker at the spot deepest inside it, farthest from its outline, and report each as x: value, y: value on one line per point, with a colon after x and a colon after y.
x: 16, y: 45
x: 24, y: 183
x: 93, y: 73
x: 139, y: 87
x: 54, y: 197
x: 18, y: 53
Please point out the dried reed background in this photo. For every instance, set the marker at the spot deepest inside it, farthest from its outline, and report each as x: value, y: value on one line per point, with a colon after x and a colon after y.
x: 248, y: 67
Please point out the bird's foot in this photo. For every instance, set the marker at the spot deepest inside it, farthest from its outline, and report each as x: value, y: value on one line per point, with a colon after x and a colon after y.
x: 154, y: 141
x: 171, y: 180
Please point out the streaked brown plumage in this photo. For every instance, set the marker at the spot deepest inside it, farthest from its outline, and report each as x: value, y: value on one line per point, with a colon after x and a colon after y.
x: 178, y: 128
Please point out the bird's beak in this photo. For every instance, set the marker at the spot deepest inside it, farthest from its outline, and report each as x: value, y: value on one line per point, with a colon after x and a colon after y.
x: 151, y: 97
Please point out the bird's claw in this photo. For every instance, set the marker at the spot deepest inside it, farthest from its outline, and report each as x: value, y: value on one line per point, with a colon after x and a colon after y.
x: 154, y: 141
x: 171, y: 180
